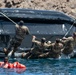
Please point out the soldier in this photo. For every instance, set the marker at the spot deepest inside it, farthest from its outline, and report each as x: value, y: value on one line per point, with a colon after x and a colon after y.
x: 42, y: 45
x: 5, y: 63
x: 47, y: 53
x: 70, y: 44
x: 38, y: 48
x: 16, y: 41
x: 56, y: 49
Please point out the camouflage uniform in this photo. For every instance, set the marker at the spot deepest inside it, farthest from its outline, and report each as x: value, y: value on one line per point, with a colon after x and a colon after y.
x: 56, y: 50
x: 69, y: 45
x: 37, y: 49
x: 16, y: 41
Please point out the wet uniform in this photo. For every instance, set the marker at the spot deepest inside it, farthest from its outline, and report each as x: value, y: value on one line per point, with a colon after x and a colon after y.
x: 56, y: 49
x: 16, y: 41
x: 41, y: 46
x: 69, y: 45
x: 37, y: 49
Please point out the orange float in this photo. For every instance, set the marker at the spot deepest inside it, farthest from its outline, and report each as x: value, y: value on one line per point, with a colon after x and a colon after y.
x: 19, y: 68
x: 12, y: 65
x: 18, y: 65
x: 1, y: 63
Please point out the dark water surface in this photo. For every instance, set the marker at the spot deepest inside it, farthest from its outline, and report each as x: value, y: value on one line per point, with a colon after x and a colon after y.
x: 44, y: 67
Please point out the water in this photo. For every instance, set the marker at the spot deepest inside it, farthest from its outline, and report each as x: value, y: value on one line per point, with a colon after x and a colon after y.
x: 44, y: 67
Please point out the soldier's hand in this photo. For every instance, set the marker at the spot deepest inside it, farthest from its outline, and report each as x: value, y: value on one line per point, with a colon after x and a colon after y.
x: 34, y: 37
x: 64, y: 38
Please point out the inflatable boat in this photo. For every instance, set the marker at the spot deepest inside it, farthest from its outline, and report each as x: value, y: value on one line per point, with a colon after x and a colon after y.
x: 41, y: 23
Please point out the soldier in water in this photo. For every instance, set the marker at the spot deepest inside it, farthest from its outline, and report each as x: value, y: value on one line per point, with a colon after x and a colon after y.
x: 55, y: 50
x: 37, y: 49
x: 15, y: 42
x: 69, y: 45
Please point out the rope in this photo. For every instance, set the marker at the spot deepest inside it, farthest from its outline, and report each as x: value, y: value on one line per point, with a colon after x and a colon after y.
x: 69, y: 30
x: 8, y: 18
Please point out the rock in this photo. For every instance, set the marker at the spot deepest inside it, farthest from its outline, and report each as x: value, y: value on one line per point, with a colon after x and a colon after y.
x: 8, y: 4
x: 67, y: 0
x: 5, y: 1
x: 15, y: 2
x: 73, y: 6
x: 60, y: 5
x: 0, y: 4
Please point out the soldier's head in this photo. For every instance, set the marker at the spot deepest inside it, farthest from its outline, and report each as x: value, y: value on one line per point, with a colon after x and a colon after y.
x: 21, y: 23
x: 43, y: 40
x: 48, y: 42
x: 57, y: 40
x: 74, y: 34
x: 5, y: 59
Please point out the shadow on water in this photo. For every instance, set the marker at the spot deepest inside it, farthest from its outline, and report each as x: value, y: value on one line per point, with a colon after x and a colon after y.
x: 44, y: 67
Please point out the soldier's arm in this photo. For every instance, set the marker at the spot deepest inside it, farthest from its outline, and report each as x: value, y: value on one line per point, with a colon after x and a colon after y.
x: 26, y: 30
x: 70, y: 38
x: 66, y: 40
x: 62, y: 47
x: 17, y: 25
x: 34, y: 40
x: 47, y: 45
x: 63, y: 41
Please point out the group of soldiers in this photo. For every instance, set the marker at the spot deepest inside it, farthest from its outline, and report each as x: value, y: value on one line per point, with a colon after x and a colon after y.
x: 20, y: 32
x: 60, y: 48
x: 41, y: 49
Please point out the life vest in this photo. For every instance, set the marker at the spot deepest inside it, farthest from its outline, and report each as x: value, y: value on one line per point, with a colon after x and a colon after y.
x: 18, y: 65
x: 19, y: 68
x: 12, y: 65
x: 1, y: 63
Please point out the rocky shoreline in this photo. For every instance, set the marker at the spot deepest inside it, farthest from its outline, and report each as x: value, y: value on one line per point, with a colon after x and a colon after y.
x: 66, y: 6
